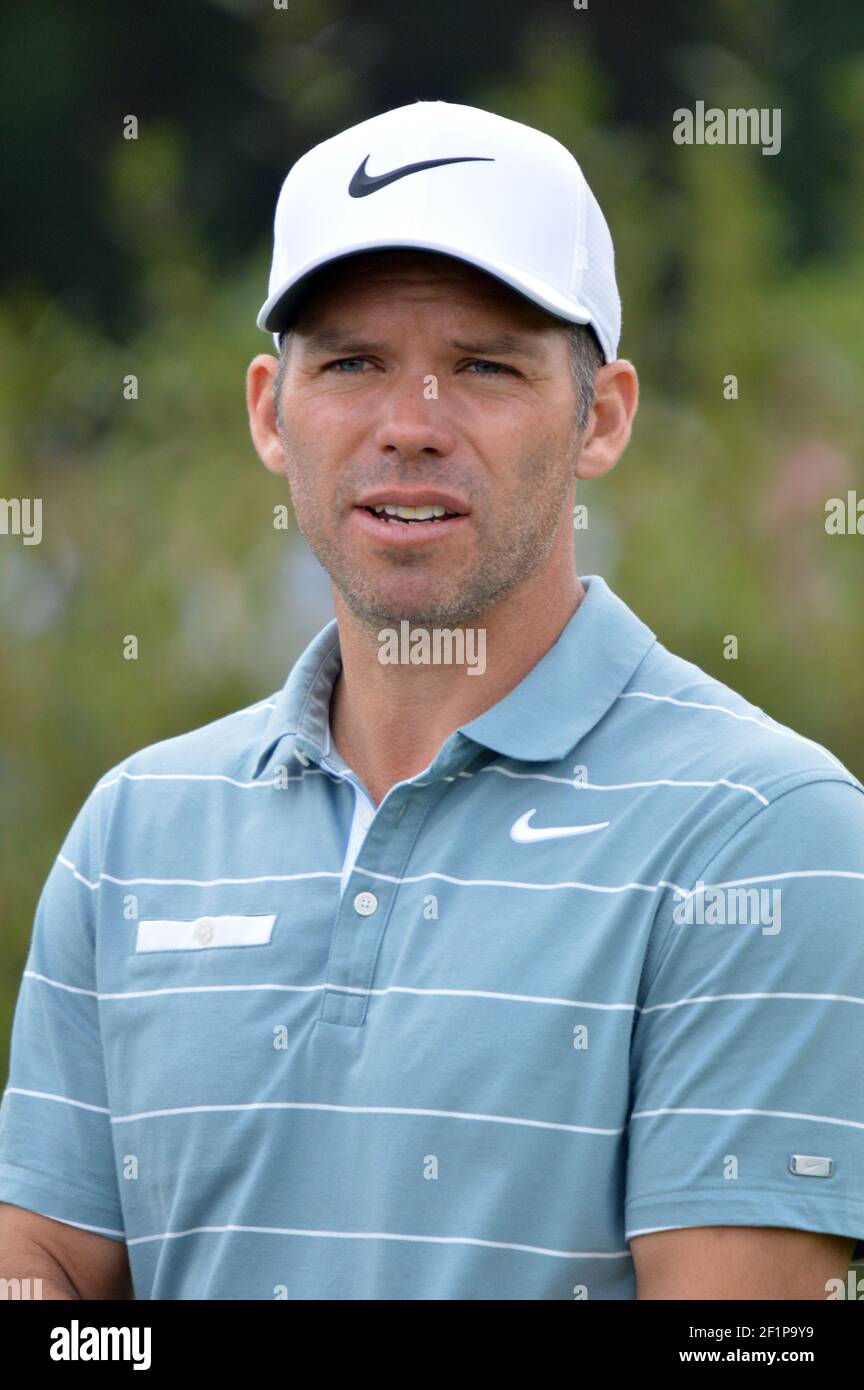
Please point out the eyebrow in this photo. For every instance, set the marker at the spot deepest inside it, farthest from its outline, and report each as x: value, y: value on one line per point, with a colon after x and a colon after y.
x: 501, y: 344
x: 328, y: 340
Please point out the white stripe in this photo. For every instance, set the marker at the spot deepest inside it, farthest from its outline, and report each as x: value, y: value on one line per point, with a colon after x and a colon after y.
x: 577, y: 783
x: 773, y: 1114
x: 58, y: 984
x: 515, y: 883
x: 649, y: 1230
x: 388, y: 1235
x: 80, y: 877
x: 46, y: 1095
x: 207, y: 777
x: 611, y: 888
x: 346, y: 989
x: 199, y: 882
x: 791, y: 873
x: 447, y: 993
x: 363, y: 1110
x: 484, y: 994
x: 744, y: 718
x: 774, y: 994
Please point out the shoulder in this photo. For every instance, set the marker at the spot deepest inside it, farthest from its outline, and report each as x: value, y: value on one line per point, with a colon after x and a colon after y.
x: 225, y: 746
x: 693, y: 720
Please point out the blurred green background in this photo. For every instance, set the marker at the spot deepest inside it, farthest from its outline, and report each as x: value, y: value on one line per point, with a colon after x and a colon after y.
x: 151, y: 257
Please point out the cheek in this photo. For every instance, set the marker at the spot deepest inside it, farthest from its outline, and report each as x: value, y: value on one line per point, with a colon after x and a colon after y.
x: 326, y: 443
x: 508, y: 431
x: 543, y: 475
x: 320, y: 428
x: 313, y: 475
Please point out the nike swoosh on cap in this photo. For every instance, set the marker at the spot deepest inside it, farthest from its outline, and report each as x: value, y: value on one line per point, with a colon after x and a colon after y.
x: 363, y: 184
x: 525, y: 834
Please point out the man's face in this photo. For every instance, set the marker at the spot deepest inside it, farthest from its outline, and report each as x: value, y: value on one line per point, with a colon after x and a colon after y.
x: 397, y: 379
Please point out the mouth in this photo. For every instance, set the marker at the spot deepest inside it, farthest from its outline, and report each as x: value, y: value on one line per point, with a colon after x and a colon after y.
x: 411, y: 516
x: 401, y: 525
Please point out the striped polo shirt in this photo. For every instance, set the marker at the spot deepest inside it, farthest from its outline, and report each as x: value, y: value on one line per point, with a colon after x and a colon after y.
x: 597, y: 970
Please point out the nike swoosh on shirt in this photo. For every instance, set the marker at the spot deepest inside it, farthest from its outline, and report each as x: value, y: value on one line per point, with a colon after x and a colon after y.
x: 525, y: 834
x: 362, y: 184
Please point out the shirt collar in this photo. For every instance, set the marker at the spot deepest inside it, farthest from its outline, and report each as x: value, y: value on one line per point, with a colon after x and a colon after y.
x: 541, y: 719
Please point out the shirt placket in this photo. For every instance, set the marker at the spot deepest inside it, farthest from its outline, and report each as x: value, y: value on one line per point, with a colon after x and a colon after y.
x: 367, y: 899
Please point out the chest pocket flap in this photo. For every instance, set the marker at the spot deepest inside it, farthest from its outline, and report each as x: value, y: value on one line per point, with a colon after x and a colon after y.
x: 202, y: 933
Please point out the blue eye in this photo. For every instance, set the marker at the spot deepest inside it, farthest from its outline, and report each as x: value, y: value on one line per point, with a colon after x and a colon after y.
x: 341, y: 363
x: 501, y: 367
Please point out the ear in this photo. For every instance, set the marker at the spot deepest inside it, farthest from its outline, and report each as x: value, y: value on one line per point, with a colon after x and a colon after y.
x: 607, y: 433
x: 260, y: 381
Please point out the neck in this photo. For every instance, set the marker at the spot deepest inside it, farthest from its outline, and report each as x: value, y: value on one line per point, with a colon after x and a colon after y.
x: 389, y: 721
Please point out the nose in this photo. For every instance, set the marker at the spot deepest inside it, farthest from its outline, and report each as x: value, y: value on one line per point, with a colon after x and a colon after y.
x: 413, y: 422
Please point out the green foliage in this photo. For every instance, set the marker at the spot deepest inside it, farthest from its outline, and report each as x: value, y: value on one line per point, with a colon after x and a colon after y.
x: 158, y: 515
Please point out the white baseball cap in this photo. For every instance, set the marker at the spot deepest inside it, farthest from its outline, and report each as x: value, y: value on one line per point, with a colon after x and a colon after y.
x: 437, y: 176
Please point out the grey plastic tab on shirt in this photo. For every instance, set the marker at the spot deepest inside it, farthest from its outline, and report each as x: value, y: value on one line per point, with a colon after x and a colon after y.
x: 809, y: 1166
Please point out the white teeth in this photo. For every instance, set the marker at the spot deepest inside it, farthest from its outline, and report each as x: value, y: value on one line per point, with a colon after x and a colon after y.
x: 412, y: 513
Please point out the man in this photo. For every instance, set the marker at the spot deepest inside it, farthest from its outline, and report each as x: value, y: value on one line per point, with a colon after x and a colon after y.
x: 433, y: 977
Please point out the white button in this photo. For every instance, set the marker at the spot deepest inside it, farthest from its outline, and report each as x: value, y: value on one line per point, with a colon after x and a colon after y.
x: 365, y: 815
x: 298, y: 752
x: 365, y: 903
x: 204, y: 931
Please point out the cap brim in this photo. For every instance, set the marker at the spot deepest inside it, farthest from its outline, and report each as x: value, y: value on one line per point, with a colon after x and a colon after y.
x: 276, y: 312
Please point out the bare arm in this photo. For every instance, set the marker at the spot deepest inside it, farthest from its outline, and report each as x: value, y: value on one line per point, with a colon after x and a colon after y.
x: 729, y: 1262
x: 70, y: 1262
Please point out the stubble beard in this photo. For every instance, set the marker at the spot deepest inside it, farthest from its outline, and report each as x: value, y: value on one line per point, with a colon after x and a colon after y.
x: 519, y: 545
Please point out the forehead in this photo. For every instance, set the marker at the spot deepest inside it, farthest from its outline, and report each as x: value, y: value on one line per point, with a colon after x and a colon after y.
x: 392, y: 274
